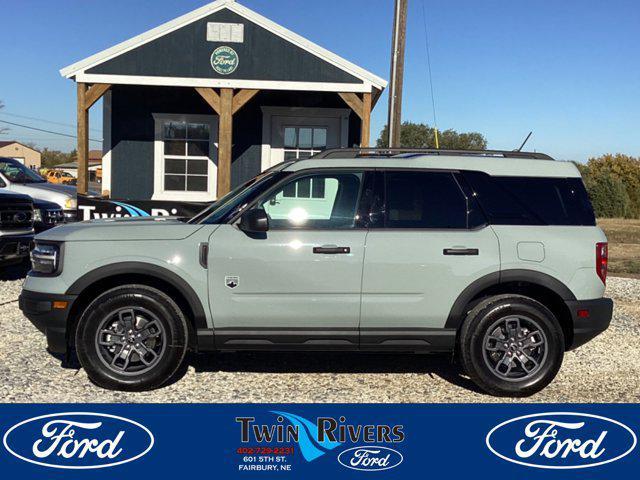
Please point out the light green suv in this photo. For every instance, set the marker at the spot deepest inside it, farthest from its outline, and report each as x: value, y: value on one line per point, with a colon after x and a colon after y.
x: 492, y: 255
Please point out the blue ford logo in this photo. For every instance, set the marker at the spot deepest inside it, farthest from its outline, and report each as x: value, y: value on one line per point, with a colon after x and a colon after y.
x: 78, y: 440
x: 561, y: 440
x: 370, y: 458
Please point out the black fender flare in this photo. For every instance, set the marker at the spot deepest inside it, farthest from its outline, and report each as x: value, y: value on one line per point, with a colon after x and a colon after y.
x: 456, y: 315
x: 151, y: 270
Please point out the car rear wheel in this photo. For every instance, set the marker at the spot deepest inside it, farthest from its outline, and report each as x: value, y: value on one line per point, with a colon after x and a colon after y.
x: 511, y: 345
x: 132, y: 337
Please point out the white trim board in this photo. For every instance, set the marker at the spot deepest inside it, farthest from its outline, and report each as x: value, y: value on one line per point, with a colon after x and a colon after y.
x: 223, y: 83
x: 80, y: 67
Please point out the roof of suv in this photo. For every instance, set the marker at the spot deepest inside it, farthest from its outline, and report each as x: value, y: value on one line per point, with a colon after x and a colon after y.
x: 499, y: 163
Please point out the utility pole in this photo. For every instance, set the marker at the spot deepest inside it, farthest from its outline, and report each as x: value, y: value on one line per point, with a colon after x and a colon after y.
x: 397, y: 72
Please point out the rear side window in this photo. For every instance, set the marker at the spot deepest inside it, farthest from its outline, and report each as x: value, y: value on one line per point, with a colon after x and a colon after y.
x: 532, y: 200
x: 424, y: 200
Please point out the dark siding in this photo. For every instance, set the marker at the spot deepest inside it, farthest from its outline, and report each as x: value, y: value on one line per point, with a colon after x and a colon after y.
x: 132, y: 132
x: 187, y: 53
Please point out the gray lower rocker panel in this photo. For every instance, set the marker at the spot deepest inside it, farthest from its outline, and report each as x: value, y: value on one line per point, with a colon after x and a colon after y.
x: 379, y: 339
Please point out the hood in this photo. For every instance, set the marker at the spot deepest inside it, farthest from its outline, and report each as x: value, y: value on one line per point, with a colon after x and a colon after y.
x: 114, y: 229
x: 9, y: 198
x: 46, y: 191
x: 44, y: 205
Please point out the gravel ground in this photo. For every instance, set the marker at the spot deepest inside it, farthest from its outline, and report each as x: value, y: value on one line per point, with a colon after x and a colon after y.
x: 604, y: 370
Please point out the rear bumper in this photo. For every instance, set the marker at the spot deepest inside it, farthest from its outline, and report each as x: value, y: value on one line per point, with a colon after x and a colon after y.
x: 598, y: 317
x: 53, y: 322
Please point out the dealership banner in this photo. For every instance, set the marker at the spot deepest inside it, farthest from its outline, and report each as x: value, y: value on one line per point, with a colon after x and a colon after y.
x: 319, y: 441
x: 90, y: 208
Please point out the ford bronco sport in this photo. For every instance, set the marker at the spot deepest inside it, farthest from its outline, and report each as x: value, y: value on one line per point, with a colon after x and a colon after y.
x: 492, y: 255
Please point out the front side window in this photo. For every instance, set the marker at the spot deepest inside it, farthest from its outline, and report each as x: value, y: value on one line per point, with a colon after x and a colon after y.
x: 321, y: 201
x: 303, y: 142
x: 424, y: 200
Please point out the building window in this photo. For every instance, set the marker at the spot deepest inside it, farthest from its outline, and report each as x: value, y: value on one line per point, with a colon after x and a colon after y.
x: 303, y: 142
x: 184, y: 164
x: 186, y: 156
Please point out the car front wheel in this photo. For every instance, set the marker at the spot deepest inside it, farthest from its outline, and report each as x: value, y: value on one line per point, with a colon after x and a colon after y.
x: 511, y: 345
x: 132, y: 337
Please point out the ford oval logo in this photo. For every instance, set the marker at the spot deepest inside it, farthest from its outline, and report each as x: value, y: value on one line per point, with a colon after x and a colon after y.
x: 370, y: 458
x: 561, y: 440
x: 20, y: 217
x: 78, y: 440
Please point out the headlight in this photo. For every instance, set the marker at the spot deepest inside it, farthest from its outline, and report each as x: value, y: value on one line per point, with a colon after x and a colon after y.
x: 37, y: 215
x: 71, y: 204
x: 45, y: 258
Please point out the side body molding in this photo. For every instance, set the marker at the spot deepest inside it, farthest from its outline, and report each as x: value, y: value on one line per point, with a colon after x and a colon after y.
x: 456, y: 316
x: 141, y: 268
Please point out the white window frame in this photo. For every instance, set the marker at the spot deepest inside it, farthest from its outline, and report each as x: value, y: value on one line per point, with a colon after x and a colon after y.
x: 299, y: 117
x: 311, y: 150
x: 159, y: 193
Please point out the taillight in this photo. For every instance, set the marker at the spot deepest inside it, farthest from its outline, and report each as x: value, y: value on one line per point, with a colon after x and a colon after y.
x: 602, y: 259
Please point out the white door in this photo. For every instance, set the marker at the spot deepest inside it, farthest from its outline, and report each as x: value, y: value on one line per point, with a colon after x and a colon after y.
x: 301, y: 137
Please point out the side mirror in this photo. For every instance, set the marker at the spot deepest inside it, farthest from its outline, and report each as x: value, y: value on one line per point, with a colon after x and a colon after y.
x: 254, y: 221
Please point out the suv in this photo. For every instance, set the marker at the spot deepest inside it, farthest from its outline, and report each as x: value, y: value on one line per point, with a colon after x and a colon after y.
x: 16, y: 177
x: 492, y: 255
x: 59, y: 176
x: 16, y: 227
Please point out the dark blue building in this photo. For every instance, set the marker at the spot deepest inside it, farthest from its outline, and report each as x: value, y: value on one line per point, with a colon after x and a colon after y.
x: 210, y: 99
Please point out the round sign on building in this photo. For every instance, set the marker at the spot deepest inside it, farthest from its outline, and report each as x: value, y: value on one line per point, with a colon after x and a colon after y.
x: 224, y: 60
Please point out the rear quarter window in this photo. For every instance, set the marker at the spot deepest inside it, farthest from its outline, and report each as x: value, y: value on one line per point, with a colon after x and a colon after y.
x: 532, y: 200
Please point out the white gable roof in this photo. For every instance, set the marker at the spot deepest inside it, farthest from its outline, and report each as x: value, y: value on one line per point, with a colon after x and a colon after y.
x: 78, y: 69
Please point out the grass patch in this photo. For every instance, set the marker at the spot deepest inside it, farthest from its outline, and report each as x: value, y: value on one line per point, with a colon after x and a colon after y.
x: 624, y: 245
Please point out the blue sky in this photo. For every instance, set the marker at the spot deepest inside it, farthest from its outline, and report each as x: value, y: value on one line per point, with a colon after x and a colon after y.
x: 568, y: 70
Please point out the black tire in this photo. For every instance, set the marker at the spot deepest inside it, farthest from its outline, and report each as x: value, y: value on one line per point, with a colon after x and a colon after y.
x: 478, y: 361
x: 171, y: 344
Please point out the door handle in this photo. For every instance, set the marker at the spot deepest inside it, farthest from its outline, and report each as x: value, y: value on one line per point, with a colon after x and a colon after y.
x: 331, y: 250
x: 461, y: 251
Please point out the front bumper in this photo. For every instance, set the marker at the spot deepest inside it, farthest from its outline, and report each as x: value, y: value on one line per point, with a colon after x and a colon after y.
x: 590, y: 318
x: 15, y: 246
x: 49, y: 319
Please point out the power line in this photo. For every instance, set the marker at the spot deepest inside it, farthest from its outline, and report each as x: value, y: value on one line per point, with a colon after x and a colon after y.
x: 45, y: 131
x: 426, y: 44
x: 43, y: 120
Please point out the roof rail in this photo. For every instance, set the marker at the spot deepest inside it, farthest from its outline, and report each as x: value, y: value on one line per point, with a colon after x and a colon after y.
x: 357, y: 152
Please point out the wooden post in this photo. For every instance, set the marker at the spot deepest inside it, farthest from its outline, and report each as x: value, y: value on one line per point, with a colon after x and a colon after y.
x: 365, y: 128
x: 225, y: 141
x: 362, y: 108
x: 86, y: 98
x: 397, y: 72
x: 226, y: 104
x: 83, y: 140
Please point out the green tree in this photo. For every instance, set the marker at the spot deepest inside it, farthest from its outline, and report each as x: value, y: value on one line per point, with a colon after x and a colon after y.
x: 51, y: 158
x: 623, y: 168
x: 608, y: 194
x: 419, y: 135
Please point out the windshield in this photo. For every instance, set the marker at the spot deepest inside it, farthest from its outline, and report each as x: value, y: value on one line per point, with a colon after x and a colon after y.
x: 236, y: 200
x: 18, y: 173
